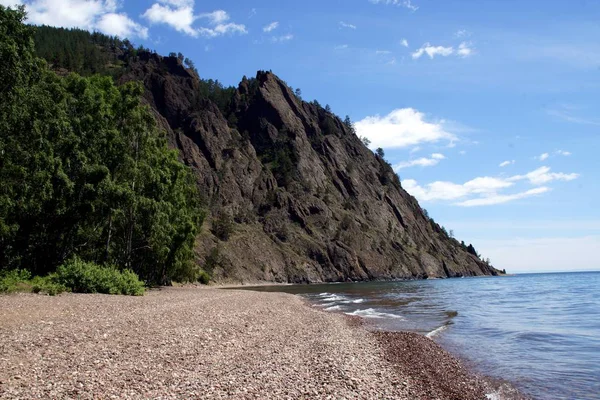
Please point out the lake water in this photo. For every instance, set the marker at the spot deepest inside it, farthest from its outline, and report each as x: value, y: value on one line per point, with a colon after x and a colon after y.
x: 541, y: 332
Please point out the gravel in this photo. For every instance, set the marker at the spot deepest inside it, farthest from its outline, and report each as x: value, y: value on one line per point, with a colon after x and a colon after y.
x: 180, y: 343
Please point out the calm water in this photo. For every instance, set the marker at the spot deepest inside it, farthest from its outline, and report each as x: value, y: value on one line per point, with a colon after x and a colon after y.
x: 541, y: 332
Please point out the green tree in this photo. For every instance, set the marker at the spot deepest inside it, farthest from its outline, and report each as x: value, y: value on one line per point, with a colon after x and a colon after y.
x: 365, y: 140
x: 349, y: 124
x: 86, y: 172
x: 380, y: 153
x: 472, y: 250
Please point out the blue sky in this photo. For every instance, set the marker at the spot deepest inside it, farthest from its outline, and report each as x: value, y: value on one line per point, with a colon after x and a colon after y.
x: 488, y: 110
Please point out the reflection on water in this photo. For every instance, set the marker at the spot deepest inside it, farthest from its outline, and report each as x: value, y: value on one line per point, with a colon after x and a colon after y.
x: 540, y: 331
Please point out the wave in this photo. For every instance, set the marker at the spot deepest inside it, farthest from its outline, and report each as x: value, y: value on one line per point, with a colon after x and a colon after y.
x: 437, y: 331
x: 372, y: 313
x: 327, y: 299
x: 333, y: 297
x: 333, y: 308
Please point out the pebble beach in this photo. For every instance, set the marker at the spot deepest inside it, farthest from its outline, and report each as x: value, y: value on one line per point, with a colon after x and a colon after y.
x: 199, y: 343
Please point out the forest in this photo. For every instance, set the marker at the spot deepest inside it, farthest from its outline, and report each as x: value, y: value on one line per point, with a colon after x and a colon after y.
x: 87, y: 177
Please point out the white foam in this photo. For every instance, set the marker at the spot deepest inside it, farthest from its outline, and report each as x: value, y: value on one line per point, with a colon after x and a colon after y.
x: 334, y: 297
x: 349, y: 301
x: 371, y: 313
x: 328, y: 304
x: 493, y: 396
x: 437, y: 331
x: 333, y: 308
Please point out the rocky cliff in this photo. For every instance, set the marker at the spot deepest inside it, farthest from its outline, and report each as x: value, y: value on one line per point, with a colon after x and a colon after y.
x: 293, y: 194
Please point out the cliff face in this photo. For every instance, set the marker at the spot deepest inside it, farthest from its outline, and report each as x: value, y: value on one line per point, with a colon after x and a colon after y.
x: 301, y: 199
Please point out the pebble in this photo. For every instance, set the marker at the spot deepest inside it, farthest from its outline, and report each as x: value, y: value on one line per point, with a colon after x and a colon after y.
x: 204, y: 343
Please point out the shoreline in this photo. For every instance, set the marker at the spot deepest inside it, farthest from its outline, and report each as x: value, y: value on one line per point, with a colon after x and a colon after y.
x: 251, y: 284
x: 211, y: 343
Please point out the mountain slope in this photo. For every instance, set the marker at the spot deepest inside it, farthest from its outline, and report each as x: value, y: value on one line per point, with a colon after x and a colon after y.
x: 294, y: 194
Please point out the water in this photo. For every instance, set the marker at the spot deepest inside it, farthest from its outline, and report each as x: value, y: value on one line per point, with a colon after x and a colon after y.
x: 541, y: 332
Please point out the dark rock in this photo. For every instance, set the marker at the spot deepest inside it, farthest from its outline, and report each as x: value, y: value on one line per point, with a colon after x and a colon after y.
x: 310, y: 202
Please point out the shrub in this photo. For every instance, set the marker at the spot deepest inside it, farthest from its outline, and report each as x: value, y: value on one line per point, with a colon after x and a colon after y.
x: 20, y: 280
x: 213, y: 260
x: 86, y: 277
x: 14, y: 280
x: 204, y: 278
x: 47, y: 285
x: 222, y: 226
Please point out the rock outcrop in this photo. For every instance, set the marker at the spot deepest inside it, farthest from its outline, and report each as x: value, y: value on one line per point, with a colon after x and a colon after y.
x: 302, y: 199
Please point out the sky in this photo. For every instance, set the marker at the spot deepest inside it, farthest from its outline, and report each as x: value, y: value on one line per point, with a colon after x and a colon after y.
x: 487, y: 110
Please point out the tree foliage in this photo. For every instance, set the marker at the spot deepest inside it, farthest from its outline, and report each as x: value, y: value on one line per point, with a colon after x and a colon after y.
x: 218, y: 94
x: 80, y: 51
x: 85, y: 171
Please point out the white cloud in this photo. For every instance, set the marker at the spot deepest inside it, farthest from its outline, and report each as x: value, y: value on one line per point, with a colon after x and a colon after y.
x: 486, y: 184
x: 432, y: 51
x: 462, y: 152
x: 179, y: 18
x: 347, y: 25
x: 120, y: 25
x: 219, y: 25
x: 67, y: 13
x: 179, y: 14
x: 223, y: 29
x: 283, y: 38
x: 542, y: 157
x: 404, y: 42
x: 442, y: 190
x: 563, y: 153
x: 500, y: 199
x: 341, y: 47
x: 543, y: 175
x: 382, y: 52
x: 404, y: 3
x: 465, y: 49
x: 252, y: 13
x: 403, y: 127
x: 98, y: 15
x: 507, y: 163
x: 415, y: 149
x: 421, y: 162
x: 483, y: 191
x: 271, y: 27
x: 216, y: 17
x: 461, y: 33
x: 438, y: 190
